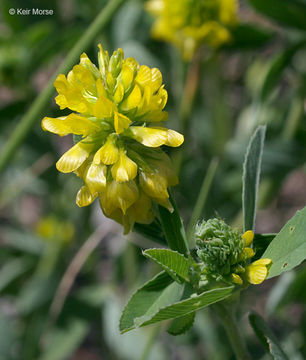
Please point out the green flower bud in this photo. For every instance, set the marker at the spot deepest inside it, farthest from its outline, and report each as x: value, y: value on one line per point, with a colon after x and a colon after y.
x: 115, y: 62
x: 219, y: 247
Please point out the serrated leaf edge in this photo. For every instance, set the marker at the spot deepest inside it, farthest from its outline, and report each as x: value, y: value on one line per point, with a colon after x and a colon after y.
x: 178, y: 302
x: 131, y: 297
x: 172, y: 273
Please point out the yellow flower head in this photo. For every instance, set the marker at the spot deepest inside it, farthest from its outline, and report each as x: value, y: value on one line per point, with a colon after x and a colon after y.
x: 189, y: 23
x: 224, y: 254
x: 118, y: 115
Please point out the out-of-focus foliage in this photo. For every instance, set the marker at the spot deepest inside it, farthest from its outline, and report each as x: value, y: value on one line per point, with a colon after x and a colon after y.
x: 257, y: 78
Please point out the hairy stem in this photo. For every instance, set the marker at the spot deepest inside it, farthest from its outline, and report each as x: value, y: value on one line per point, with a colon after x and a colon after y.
x: 226, y: 313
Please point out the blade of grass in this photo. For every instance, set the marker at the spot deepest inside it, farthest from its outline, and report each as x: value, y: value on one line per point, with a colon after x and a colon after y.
x: 202, y: 197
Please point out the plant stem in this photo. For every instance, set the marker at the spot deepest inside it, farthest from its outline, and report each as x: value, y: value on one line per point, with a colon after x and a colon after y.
x: 173, y: 228
x: 226, y: 313
x: 150, y: 342
x: 33, y: 114
x: 187, y: 100
x: 202, y: 197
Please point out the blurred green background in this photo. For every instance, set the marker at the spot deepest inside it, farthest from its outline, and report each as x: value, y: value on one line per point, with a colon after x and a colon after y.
x: 66, y: 272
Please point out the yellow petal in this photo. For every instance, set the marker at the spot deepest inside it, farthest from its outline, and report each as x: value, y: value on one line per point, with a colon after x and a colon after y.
x: 143, y: 76
x: 111, y: 82
x: 104, y: 108
x: 85, y: 62
x: 74, y: 157
x: 165, y: 168
x: 83, y: 77
x: 156, y: 116
x: 96, y: 178
x: 108, y: 153
x: 237, y: 279
x: 121, y: 122
x: 256, y: 274
x: 100, y: 88
x: 61, y: 84
x: 144, y: 106
x: 125, y: 169
x: 126, y: 76
x: 133, y: 100
x: 174, y: 139
x: 120, y: 195
x: 263, y: 261
x: 61, y: 101
x: 161, y: 98
x: 132, y: 64
x: 142, y: 210
x: 154, y: 185
x: 103, y: 60
x: 55, y: 125
x: 84, y: 197
x: 119, y: 93
x: 71, y: 124
x: 248, y: 237
x: 165, y: 203
x: 74, y: 100
x: 157, y: 79
x: 247, y: 253
x: 151, y: 137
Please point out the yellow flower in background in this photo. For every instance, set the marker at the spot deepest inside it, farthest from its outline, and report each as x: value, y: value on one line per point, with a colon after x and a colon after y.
x: 190, y: 23
x: 52, y: 229
x: 118, y: 116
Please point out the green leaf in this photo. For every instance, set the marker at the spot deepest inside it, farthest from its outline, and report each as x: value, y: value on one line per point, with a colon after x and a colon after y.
x: 176, y: 265
x: 13, y: 269
x: 182, y: 324
x: 287, y: 12
x: 153, y: 293
x: 23, y: 241
x: 266, y: 336
x: 64, y: 341
x: 251, y: 175
x: 288, y: 248
x: 184, y: 307
x: 260, y: 244
x: 176, y: 309
x: 173, y: 228
x: 277, y: 67
x: 248, y: 36
x: 151, y: 231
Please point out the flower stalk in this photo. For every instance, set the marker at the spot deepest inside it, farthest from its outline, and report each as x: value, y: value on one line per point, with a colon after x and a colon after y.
x: 227, y: 315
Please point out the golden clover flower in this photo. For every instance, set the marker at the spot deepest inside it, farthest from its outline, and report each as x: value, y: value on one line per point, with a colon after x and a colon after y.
x: 224, y: 254
x: 190, y: 23
x: 118, y: 116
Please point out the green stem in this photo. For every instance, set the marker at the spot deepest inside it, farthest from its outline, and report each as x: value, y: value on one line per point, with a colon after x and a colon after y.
x: 187, y: 100
x: 173, y: 228
x: 293, y: 119
x: 34, y: 113
x: 150, y: 342
x: 202, y: 197
x: 226, y: 314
